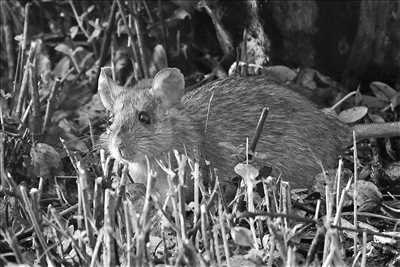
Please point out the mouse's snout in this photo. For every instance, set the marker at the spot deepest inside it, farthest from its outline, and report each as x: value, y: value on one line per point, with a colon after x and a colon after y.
x: 121, y: 147
x: 118, y: 148
x: 114, y: 147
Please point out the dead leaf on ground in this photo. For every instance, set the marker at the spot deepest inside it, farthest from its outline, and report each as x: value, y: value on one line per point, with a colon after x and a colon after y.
x: 353, y: 114
x: 382, y: 90
x: 242, y: 236
x: 376, y: 118
x: 393, y: 171
x: 62, y: 67
x: 372, y: 102
x: 65, y: 49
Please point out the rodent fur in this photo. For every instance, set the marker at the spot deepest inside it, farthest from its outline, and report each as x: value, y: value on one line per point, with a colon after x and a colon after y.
x: 296, y: 134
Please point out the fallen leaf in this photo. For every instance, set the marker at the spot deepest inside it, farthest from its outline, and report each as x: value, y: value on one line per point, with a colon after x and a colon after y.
x: 393, y: 171
x: 62, y: 67
x: 180, y: 14
x: 353, y: 114
x: 73, y: 31
x: 242, y: 236
x: 65, y: 49
x: 382, y: 90
x: 90, y: 9
x: 372, y: 102
x: 376, y: 118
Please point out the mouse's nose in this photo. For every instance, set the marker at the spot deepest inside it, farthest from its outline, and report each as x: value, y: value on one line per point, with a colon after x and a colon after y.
x: 121, y: 149
x: 117, y: 147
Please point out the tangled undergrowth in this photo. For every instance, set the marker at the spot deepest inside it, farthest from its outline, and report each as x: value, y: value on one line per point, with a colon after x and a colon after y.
x: 109, y: 220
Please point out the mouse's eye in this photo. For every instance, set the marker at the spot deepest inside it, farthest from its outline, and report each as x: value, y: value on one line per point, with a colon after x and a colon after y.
x: 144, y: 117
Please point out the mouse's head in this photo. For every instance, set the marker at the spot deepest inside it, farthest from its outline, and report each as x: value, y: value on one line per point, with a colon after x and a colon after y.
x: 146, y: 118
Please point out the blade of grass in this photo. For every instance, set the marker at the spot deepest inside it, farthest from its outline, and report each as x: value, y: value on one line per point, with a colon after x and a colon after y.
x: 109, y: 257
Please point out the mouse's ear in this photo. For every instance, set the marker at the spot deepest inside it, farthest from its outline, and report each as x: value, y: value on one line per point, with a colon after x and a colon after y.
x: 169, y: 85
x: 108, y: 89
